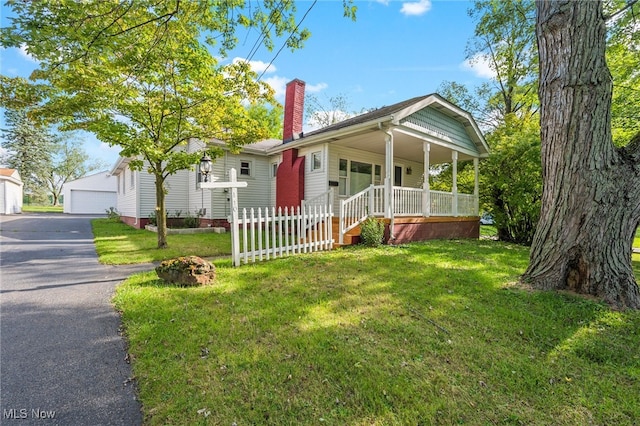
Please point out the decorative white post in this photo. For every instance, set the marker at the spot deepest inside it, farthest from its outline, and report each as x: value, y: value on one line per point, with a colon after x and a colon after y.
x: 426, y: 194
x: 454, y: 190
x: 389, y: 213
x: 235, y: 221
x: 476, y: 186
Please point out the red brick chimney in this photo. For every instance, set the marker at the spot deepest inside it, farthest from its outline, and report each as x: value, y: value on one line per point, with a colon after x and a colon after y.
x: 293, y: 111
x: 290, y: 173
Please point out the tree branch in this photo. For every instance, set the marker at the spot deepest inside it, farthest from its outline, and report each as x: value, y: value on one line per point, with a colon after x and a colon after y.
x: 630, y: 4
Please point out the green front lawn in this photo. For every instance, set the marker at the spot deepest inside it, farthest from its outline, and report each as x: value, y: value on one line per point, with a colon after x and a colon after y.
x: 118, y: 244
x: 32, y: 208
x: 430, y: 333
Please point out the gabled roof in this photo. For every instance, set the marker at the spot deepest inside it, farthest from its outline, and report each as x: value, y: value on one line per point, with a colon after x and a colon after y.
x: 374, y: 115
x: 393, y: 115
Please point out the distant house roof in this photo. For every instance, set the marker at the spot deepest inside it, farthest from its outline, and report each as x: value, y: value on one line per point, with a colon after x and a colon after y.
x: 7, y: 172
x: 10, y: 175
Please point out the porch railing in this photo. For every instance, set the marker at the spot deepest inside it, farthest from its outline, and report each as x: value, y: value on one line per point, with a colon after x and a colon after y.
x: 441, y: 203
x: 406, y: 202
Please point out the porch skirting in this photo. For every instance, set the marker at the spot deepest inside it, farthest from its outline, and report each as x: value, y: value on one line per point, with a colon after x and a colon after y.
x: 409, y: 229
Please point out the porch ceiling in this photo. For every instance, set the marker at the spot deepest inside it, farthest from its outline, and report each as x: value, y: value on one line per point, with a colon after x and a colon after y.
x: 405, y: 146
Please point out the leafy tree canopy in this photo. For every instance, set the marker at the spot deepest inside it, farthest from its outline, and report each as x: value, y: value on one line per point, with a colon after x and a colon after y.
x: 146, y: 75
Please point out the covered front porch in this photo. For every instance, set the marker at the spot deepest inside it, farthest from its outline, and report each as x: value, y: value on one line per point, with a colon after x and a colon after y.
x: 379, y: 163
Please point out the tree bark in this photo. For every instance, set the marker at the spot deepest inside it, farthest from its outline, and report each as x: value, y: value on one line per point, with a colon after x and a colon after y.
x: 591, y: 194
x: 161, y: 215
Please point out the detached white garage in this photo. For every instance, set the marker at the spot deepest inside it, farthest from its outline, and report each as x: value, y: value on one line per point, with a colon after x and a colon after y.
x: 10, y: 192
x: 93, y: 194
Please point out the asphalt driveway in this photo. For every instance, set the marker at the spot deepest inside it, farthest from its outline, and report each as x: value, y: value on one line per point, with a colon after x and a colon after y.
x: 62, y: 358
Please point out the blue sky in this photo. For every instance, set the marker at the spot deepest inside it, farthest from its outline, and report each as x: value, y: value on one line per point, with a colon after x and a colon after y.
x: 395, y: 50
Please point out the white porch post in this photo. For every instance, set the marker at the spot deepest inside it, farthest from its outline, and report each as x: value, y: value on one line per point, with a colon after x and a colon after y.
x: 426, y: 190
x: 389, y: 181
x: 476, y: 187
x: 454, y: 189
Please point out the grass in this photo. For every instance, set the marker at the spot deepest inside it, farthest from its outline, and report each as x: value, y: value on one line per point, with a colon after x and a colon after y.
x: 119, y: 244
x: 636, y: 241
x: 430, y: 333
x: 32, y: 208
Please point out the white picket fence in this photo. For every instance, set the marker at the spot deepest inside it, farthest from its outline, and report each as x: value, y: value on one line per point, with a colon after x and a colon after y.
x: 268, y: 233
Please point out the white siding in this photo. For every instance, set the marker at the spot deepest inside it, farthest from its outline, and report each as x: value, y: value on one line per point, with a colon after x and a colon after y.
x: 127, y: 197
x: 276, y: 159
x: 177, y: 194
x: 11, y: 198
x: 316, y: 182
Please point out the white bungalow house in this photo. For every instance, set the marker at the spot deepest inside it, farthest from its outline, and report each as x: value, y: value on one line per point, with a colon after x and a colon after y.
x: 92, y: 194
x: 10, y: 191
x: 370, y: 165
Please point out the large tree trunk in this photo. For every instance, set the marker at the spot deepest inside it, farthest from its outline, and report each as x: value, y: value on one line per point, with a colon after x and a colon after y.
x: 161, y: 215
x: 591, y: 195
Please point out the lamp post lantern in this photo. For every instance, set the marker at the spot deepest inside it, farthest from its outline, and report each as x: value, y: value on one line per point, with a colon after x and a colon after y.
x: 206, y: 165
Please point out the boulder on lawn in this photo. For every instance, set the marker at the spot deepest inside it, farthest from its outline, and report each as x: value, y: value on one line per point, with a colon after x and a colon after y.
x: 187, y: 271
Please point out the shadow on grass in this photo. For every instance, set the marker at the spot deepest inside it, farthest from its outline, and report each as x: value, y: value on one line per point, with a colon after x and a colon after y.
x: 424, y: 334
x: 118, y: 243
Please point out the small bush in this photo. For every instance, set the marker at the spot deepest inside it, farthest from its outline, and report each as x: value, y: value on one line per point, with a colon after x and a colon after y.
x: 372, y: 232
x: 113, y: 214
x: 153, y: 220
x: 191, y: 221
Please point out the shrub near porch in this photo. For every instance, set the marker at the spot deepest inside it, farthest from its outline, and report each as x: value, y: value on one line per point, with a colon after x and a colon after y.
x: 432, y: 333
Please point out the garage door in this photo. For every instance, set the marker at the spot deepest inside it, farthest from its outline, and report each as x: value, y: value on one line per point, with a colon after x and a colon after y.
x: 91, y: 202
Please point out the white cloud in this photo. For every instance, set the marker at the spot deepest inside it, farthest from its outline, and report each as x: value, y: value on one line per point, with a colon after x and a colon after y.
x: 416, y: 8
x: 278, y: 84
x: 316, y: 88
x: 385, y: 2
x: 257, y: 66
x: 23, y: 52
x: 480, y: 66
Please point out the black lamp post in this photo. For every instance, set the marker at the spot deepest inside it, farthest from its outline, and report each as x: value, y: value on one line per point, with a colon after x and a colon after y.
x: 206, y: 165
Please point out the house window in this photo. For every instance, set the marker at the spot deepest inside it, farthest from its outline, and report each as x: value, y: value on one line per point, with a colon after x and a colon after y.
x: 118, y: 183
x: 274, y: 169
x: 354, y: 176
x: 124, y: 181
x: 245, y: 168
x: 342, y: 177
x: 132, y: 184
x: 360, y: 176
x: 316, y: 161
x: 377, y: 176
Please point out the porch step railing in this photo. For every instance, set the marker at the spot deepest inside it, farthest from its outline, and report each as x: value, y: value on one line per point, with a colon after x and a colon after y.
x: 355, y: 209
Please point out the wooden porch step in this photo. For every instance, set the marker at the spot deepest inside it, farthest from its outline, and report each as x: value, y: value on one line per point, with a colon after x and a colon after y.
x: 350, y: 238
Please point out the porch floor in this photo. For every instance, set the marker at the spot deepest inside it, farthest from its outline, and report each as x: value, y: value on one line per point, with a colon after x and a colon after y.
x: 418, y: 228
